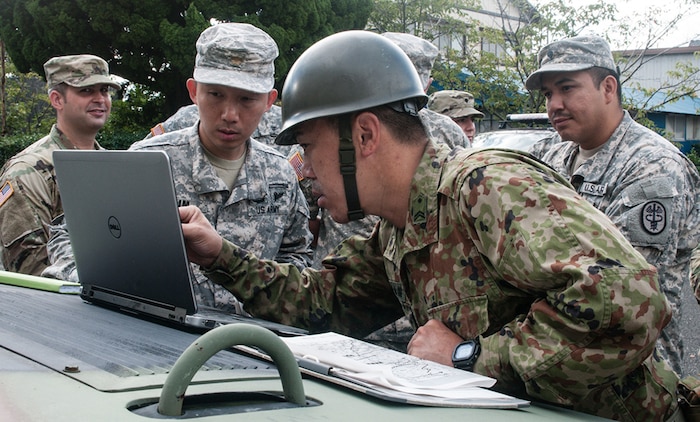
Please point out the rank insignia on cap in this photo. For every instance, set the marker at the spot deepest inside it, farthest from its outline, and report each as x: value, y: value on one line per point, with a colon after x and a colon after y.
x: 653, y: 217
x: 6, y: 192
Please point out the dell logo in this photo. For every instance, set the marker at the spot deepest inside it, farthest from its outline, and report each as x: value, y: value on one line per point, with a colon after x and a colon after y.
x: 114, y: 227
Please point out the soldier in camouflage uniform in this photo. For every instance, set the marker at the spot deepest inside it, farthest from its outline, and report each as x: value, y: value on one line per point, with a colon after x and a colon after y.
x: 422, y: 54
x: 442, y: 129
x: 259, y: 205
x: 485, y: 246
x: 459, y: 106
x: 79, y: 90
x: 649, y: 189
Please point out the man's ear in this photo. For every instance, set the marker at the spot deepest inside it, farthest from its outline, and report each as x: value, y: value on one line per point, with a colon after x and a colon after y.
x: 192, y: 89
x: 367, y: 129
x: 56, y: 99
x: 609, y: 86
x: 271, y: 97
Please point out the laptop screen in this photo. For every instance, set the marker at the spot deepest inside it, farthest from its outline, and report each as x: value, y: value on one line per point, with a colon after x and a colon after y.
x: 121, y: 211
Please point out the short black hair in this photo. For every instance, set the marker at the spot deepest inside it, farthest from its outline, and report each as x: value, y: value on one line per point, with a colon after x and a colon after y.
x: 600, y: 73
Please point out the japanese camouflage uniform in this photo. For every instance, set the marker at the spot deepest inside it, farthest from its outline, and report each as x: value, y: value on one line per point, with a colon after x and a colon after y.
x: 440, y: 128
x: 29, y: 197
x: 641, y: 181
x: 495, y: 245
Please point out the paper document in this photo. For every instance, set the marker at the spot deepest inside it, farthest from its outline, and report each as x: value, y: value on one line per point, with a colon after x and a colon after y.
x: 394, y: 375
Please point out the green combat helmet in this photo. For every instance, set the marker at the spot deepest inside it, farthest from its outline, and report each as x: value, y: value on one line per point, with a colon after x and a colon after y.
x: 343, y: 73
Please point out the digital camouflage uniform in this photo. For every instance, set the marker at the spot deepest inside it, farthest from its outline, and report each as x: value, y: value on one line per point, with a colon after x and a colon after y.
x: 651, y: 191
x: 495, y: 245
x: 643, y: 183
x: 30, y: 201
x: 29, y: 197
x: 265, y: 213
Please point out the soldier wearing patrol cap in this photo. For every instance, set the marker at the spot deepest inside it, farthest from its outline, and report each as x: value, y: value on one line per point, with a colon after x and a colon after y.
x: 79, y: 89
x: 459, y: 106
x: 503, y: 269
x: 247, y: 190
x: 648, y: 188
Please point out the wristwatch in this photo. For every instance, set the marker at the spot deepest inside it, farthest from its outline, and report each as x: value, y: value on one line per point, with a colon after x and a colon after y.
x: 465, y: 354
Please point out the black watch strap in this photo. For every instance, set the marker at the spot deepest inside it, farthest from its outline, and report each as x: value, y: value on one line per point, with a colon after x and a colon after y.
x: 466, y: 353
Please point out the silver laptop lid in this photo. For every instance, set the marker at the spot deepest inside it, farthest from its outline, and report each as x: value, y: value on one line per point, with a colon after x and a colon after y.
x: 124, y: 227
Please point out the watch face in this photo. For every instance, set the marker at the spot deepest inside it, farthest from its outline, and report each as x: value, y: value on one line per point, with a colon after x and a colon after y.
x: 464, y: 351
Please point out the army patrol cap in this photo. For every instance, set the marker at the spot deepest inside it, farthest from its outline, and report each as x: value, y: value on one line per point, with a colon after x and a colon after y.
x: 453, y: 104
x: 421, y: 52
x: 237, y: 55
x: 572, y: 55
x: 78, y: 71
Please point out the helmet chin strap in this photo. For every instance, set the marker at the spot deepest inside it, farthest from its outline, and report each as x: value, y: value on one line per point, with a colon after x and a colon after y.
x: 347, y: 168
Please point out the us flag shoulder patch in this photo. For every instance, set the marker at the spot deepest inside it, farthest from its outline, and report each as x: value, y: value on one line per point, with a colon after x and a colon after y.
x: 297, y: 161
x: 6, y: 192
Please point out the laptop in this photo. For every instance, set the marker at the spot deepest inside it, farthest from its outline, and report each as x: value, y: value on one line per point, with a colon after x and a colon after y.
x: 124, y: 228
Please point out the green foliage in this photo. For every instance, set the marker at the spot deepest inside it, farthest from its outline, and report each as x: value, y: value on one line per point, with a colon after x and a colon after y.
x: 11, y: 145
x: 495, y: 63
x: 138, y: 111
x: 27, y: 106
x: 694, y: 156
x: 151, y: 42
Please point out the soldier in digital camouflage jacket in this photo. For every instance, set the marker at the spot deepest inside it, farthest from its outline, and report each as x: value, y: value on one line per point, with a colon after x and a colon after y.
x: 259, y: 203
x: 647, y: 187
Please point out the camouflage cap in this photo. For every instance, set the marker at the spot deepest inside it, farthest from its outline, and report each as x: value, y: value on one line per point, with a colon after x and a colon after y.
x: 421, y: 52
x: 453, y: 104
x: 571, y: 55
x: 238, y: 55
x: 78, y: 71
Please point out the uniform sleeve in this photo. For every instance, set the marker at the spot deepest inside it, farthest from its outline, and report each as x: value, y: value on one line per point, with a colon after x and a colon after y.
x: 24, y: 216
x: 60, y: 253
x: 598, y: 309
x: 351, y: 295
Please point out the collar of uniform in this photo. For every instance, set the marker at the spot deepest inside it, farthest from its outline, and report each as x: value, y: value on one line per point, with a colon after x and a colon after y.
x: 422, y: 218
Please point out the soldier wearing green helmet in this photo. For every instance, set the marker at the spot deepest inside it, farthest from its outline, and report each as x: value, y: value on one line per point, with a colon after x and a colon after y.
x: 502, y: 268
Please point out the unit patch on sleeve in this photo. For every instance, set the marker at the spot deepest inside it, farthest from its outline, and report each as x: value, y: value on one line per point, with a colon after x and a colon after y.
x: 653, y: 217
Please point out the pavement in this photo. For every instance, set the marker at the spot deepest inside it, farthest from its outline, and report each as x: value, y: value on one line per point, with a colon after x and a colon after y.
x: 690, y: 329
